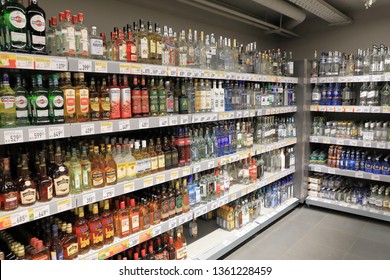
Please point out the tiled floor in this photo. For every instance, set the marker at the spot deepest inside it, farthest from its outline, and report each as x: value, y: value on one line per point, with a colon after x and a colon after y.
x: 319, y: 234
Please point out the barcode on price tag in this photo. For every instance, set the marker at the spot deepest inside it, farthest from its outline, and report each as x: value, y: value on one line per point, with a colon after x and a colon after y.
x: 172, y: 224
x: 41, y: 212
x: 156, y: 231
x: 56, y: 132
x: 106, y: 127
x: 13, y: 136
x: 89, y: 198
x: 85, y: 65
x: 173, y: 121
x: 108, y: 193
x: 163, y: 121
x: 88, y: 129
x: 143, y: 123
x: 19, y: 218
x: 134, y: 241
x: 36, y: 134
x: 124, y: 125
x: 184, y: 120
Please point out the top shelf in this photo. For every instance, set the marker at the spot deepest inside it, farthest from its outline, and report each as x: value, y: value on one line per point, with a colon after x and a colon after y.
x: 350, y: 79
x: 55, y: 63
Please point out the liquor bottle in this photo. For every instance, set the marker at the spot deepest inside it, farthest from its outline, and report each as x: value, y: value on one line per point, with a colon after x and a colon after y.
x: 21, y: 103
x: 94, y: 101
x: 9, y: 190
x: 171, y: 201
x: 56, y: 250
x: 167, y: 154
x: 81, y: 37
x: 40, y: 103
x: 119, y: 46
x: 160, y: 156
x: 15, y: 28
x: 142, y: 43
x: 153, y: 98
x: 111, y: 55
x: 110, y: 167
x: 144, y: 215
x: 152, y: 51
x: 60, y: 175
x: 162, y: 98
x: 69, y: 99
x: 125, y: 99
x: 174, y: 153
x: 105, y: 102
x: 131, y: 165
x: 7, y: 104
x: 27, y: 187
x: 144, y: 98
x: 171, y: 249
x: 70, y: 244
x: 96, y: 46
x: 155, y: 211
x: 56, y: 101
x: 86, y: 181
x: 36, y: 28
x: 82, y: 99
x: 131, y: 47
x: 170, y: 100
x: 123, y: 224
x: 45, y: 183
x: 115, y: 99
x: 108, y: 224
x: 82, y: 233
x: 134, y: 217
x: 136, y: 98
x: 68, y: 36
x: 153, y: 157
x: 97, y: 169
x: 186, y: 196
x: 157, y: 39
x: 75, y: 176
x: 179, y: 247
x: 140, y: 166
x: 190, y: 50
x: 96, y: 229
x: 164, y: 205
x: 178, y: 199
x: 146, y: 159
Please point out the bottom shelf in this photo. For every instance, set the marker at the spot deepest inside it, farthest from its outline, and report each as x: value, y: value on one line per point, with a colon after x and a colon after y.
x: 219, y: 242
x: 349, y: 208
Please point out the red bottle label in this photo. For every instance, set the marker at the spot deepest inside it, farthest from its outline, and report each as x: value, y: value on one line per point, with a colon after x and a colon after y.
x: 145, y: 101
x: 125, y: 103
x: 136, y: 101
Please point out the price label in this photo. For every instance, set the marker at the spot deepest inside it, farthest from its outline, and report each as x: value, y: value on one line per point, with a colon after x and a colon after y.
x: 143, y: 123
x: 195, y: 119
x: 238, y: 114
x: 124, y: 68
x: 108, y: 193
x: 36, y: 134
x: 366, y: 109
x: 124, y: 125
x: 59, y: 64
x: 358, y: 109
x: 331, y: 171
x: 160, y: 179
x: 87, y: 129
x: 129, y: 187
x: 172, y: 71
x: 340, y: 141
x: 203, y: 210
x: 220, y: 203
x: 56, y: 132
x: 146, y: 70
x: 41, y: 212
x: 376, y: 78
x: 4, y: 60
x: 223, y: 161
x: 202, y: 118
x: 207, y: 117
x: 381, y: 145
x: 134, y: 241
x: 245, y: 114
x: 359, y: 174
x: 89, y: 198
x: 367, y: 144
x: 174, y: 175
x: 64, y: 205
x: 163, y: 121
x: 156, y: 231
x: 13, y: 136
x: 184, y: 120
x: 243, y: 192
x: 84, y: 65
x: 186, y: 171
x: 386, y: 110
x: 272, y: 111
x: 339, y: 109
x: 317, y: 169
x: 182, y: 72
x: 214, y: 205
x: 173, y: 121
x: 172, y: 224
x: 25, y: 62
x: 106, y: 127
x: 326, y: 140
x: 353, y: 142
x: 233, y: 197
x: 226, y: 243
x: 100, y: 66
x: 42, y: 63
x: 211, y: 164
x: 375, y: 177
x: 376, y: 109
x: 135, y: 69
x: 148, y: 182
x: 19, y: 218
x: 196, y: 168
x: 182, y: 219
x: 314, y: 139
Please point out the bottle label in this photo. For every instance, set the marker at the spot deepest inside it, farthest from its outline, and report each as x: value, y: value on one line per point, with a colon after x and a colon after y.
x: 159, y: 50
x: 371, y: 94
x: 96, y: 233
x: 144, y: 48
x: 162, y: 101
x: 316, y: 96
x: 153, y: 101
x: 85, y: 176
x: 108, y: 228
x: 84, y: 101
x: 161, y: 161
x: 140, y: 167
x: 94, y: 106
x: 70, y: 101
x: 146, y: 220
x: 72, y: 249
x: 165, y: 209
x: 186, y: 201
x: 111, y: 176
x: 97, y: 178
x: 38, y: 40
x: 10, y: 200
x: 122, y: 52
x: 198, y: 100
x: 125, y: 225
x: 136, y: 101
x: 133, y: 54
x: 28, y: 196
x: 203, y: 100
x: 84, y: 40
x: 83, y: 240
x: 125, y: 100
x: 154, y: 163
x: 170, y: 104
x: 145, y: 101
x: 17, y: 19
x: 121, y: 170
x: 172, y: 205
x: 152, y: 48
x: 157, y: 216
x: 135, y: 222
x: 38, y: 23
x: 76, y: 181
x: 58, y: 101
x: 96, y: 47
x: 70, y: 39
x: 131, y: 169
x: 115, y: 97
x: 106, y: 106
x: 8, y: 102
x: 180, y: 253
x: 21, y: 102
x: 209, y: 102
x: 183, y: 103
x: 18, y: 37
x: 61, y: 185
x: 179, y: 203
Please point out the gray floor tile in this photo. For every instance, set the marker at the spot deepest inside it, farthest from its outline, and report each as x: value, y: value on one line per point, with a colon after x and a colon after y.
x: 349, y: 256
x: 376, y: 231
x: 308, y: 250
x: 344, y: 223
x: 370, y: 250
x: 310, y: 215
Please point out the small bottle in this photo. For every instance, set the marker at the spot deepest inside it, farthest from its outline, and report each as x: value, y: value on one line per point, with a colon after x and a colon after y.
x: 27, y: 187
x: 70, y: 244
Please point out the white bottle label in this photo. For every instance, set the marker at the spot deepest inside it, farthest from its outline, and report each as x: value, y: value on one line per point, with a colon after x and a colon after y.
x: 38, y: 23
x: 96, y: 46
x: 38, y: 40
x: 84, y: 40
x: 203, y: 100
x: 28, y: 196
x: 20, y: 37
x: 17, y: 19
x: 42, y: 101
x: 144, y: 47
x: 371, y: 94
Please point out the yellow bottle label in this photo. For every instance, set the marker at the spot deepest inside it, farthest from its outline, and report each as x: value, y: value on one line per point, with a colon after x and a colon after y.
x: 111, y: 175
x: 84, y: 100
x: 73, y: 249
x: 161, y: 161
x: 131, y: 170
x: 121, y: 170
x: 154, y: 163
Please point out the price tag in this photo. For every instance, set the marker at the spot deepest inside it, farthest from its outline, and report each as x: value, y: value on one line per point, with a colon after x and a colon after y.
x: 196, y: 168
x: 4, y: 60
x: 220, y: 203
x: 386, y: 110
x: 211, y: 164
x: 207, y: 117
x: 243, y: 192
x: 163, y: 121
x: 160, y: 179
x: 245, y: 114
x: 375, y: 109
x: 367, y: 144
x: 173, y: 121
x: 124, y: 68
x: 353, y: 142
x: 233, y: 197
x: 195, y: 119
x: 339, y: 109
x: 238, y: 114
x: 41, y: 212
x: 223, y: 161
x: 184, y: 120
x: 148, y: 182
x: 88, y: 129
x: 366, y: 109
x: 331, y: 171
x: 375, y: 177
x: 19, y: 218
x: 359, y: 174
x: 317, y: 169
x: 172, y: 71
x: 156, y: 231
x: 202, y: 118
x: 59, y: 64
x: 124, y: 125
x: 108, y: 193
x: 89, y: 198
x: 143, y: 123
x: 106, y: 127
x: 226, y: 243
x: 42, y: 63
x: 214, y: 205
x: 84, y: 65
x: 64, y: 205
x: 134, y: 241
x: 172, y: 224
x: 326, y: 140
x: 135, y: 69
x: 25, y: 62
x: 146, y: 70
x: 186, y: 171
x: 203, y: 210
x: 189, y: 73
x: 182, y: 72
x: 340, y: 141
x: 376, y: 78
x: 182, y: 219
x: 13, y: 136
x: 129, y: 187
x: 314, y: 139
x: 56, y: 132
x: 174, y: 175
x: 381, y: 145
x: 36, y: 134
x: 100, y: 66
x: 358, y: 109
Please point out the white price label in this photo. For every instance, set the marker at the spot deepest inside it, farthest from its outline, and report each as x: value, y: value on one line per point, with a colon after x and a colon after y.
x: 13, y: 136
x: 36, y: 134
x: 220, y: 203
x: 25, y: 62
x: 143, y: 123
x: 211, y: 164
x: 108, y: 193
x: 182, y: 72
x: 173, y: 121
x: 196, y: 168
x: 64, y: 205
x: 124, y: 125
x: 186, y: 171
x: 134, y: 241
x: 184, y: 120
x: 214, y: 205
x: 148, y: 182
x: 376, y: 109
x: 358, y: 109
x: 317, y: 169
x: 174, y: 175
x: 353, y: 142
x: 156, y: 231
x: 233, y: 197
x: 146, y: 70
x: 106, y: 127
x: 19, y: 218
x: 172, y: 71
x: 41, y: 212
x: 207, y: 118
x: 203, y: 210
x: 130, y: 187
x: 42, y: 63
x: 375, y: 177
x: 88, y: 129
x: 56, y: 132
x: 100, y: 66
x: 339, y: 109
x: 59, y: 64
x: 238, y: 114
x: 89, y: 198
x: 195, y: 119
x: 135, y: 69
x: 124, y: 68
x: 340, y: 141
x: 331, y: 171
x: 245, y: 114
x: 381, y: 145
x: 366, y: 109
x: 314, y: 139
x: 367, y: 144
x: 163, y: 121
x: 202, y: 118
x: 172, y: 224
x: 223, y: 161
x: 160, y: 179
x: 84, y: 65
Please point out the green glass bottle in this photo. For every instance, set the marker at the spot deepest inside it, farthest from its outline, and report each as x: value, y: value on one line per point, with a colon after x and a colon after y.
x: 75, y: 178
x: 40, y: 103
x: 7, y: 104
x: 21, y: 103
x: 56, y: 101
x: 14, y: 27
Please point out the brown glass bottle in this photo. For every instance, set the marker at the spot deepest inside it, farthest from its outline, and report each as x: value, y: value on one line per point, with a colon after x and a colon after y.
x: 164, y: 205
x: 171, y: 249
x: 97, y: 169
x: 144, y: 215
x: 94, y: 101
x: 105, y: 101
x: 96, y: 229
x: 136, y: 98
x: 60, y: 175
x: 153, y: 157
x: 123, y: 221
x: 171, y: 201
x: 44, y: 183
x: 134, y: 216
x: 174, y: 153
x: 27, y: 187
x: 160, y: 156
x: 108, y: 224
x: 9, y: 191
x: 144, y: 98
x: 167, y: 153
x: 82, y: 233
x: 110, y: 167
x: 154, y: 210
x: 70, y: 244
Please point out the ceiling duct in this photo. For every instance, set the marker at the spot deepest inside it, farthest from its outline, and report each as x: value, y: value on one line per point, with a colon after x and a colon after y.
x: 296, y: 15
x: 323, y: 10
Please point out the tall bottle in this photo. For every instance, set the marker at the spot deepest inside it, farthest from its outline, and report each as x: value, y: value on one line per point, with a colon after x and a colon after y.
x: 56, y: 101
x: 94, y: 101
x: 144, y: 98
x: 69, y: 99
x: 108, y: 224
x: 44, y: 183
x: 27, y: 187
x: 40, y: 104
x: 136, y: 98
x: 110, y: 167
x: 142, y: 43
x: 97, y: 169
x: 81, y: 37
x: 21, y: 103
x: 115, y: 96
x: 68, y: 36
x: 125, y: 99
x: 15, y: 27
x: 86, y: 180
x: 75, y: 176
x: 96, y: 229
x: 70, y: 244
x: 131, y: 47
x: 82, y: 233
x: 8, y: 189
x: 36, y: 28
x: 105, y: 103
x: 96, y: 47
x: 82, y: 99
x: 7, y: 104
x: 60, y: 175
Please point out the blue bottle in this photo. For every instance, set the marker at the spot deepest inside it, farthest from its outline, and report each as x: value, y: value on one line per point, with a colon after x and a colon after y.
x: 191, y: 192
x: 385, y: 166
x: 324, y: 91
x: 368, y: 165
x: 377, y: 165
x: 329, y: 95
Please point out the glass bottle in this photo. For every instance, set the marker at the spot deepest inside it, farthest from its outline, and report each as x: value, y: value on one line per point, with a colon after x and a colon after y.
x: 75, y: 176
x: 45, y: 183
x: 110, y: 167
x: 144, y: 215
x: 69, y: 99
x: 105, y: 101
x: 82, y: 232
x: 82, y: 99
x: 68, y: 36
x: 70, y: 244
x: 97, y: 169
x: 142, y: 43
x: 108, y: 224
x: 131, y: 47
x: 96, y: 229
x: 21, y: 103
x: 9, y: 190
x: 95, y: 46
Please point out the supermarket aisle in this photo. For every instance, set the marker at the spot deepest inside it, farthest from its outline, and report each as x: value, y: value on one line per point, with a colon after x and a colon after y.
x: 317, y: 233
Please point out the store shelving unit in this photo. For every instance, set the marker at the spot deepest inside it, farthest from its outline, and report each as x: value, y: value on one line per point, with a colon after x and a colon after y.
x: 350, y: 142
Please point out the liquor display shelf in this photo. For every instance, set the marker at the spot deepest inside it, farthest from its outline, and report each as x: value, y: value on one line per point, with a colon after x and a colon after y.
x: 349, y: 208
x: 40, y: 210
x: 351, y: 79
x: 236, y: 191
x: 350, y: 142
x: 57, y: 131
x: 220, y: 241
x: 349, y: 173
x: 53, y: 63
x: 351, y: 109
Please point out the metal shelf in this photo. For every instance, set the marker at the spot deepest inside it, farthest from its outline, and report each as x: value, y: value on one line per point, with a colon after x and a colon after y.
x: 351, y: 79
x: 349, y: 173
x: 349, y: 208
x: 350, y: 109
x: 350, y: 142
x: 236, y: 191
x: 220, y: 242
